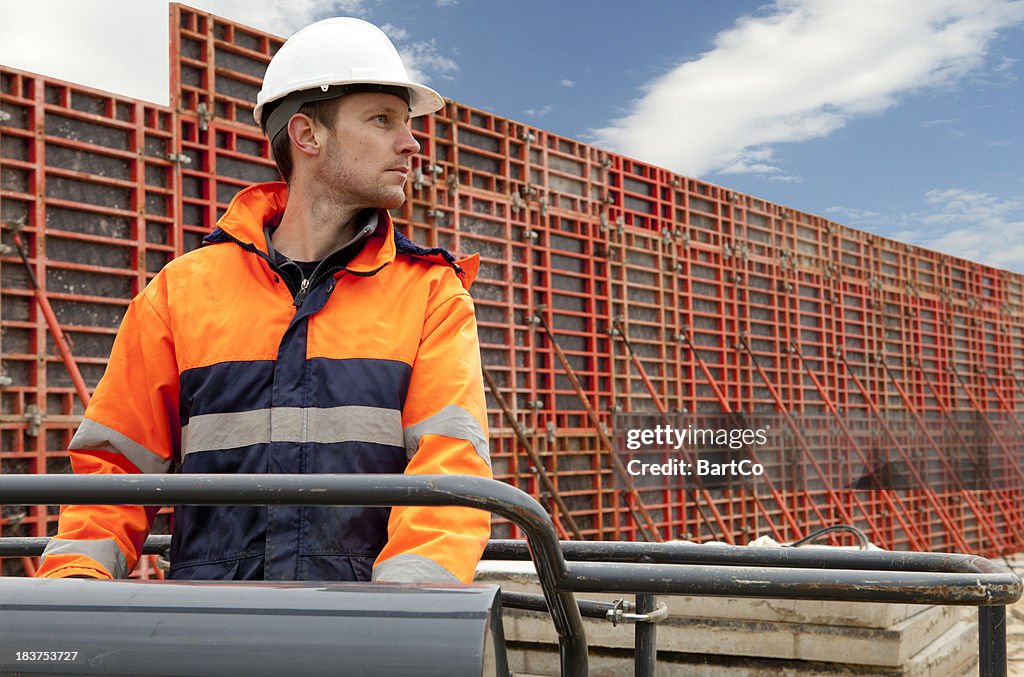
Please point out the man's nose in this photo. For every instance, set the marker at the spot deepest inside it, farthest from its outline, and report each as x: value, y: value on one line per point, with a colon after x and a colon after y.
x: 407, y: 144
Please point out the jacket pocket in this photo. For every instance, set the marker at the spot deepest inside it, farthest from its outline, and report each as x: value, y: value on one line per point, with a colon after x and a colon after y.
x: 335, y: 568
x: 211, y: 571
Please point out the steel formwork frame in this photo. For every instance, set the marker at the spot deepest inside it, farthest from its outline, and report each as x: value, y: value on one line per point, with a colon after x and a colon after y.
x: 728, y: 302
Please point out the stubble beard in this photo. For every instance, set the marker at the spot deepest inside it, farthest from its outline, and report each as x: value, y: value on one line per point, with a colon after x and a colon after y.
x: 341, y: 186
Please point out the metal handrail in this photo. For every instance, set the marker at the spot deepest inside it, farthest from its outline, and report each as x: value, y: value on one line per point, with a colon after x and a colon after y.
x: 333, y: 490
x: 825, y: 574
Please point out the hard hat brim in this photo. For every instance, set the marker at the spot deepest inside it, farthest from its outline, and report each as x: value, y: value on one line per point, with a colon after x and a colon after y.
x: 422, y: 99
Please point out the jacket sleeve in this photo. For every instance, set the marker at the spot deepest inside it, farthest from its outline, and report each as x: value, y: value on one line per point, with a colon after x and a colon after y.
x: 130, y: 426
x: 445, y: 427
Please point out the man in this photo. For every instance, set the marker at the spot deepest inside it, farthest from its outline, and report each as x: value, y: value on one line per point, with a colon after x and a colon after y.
x: 306, y: 336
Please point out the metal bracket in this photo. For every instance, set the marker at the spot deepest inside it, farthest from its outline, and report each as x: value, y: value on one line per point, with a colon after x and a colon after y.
x: 34, y: 417
x: 180, y: 158
x: 622, y: 613
x: 205, y: 115
x: 6, y: 381
x: 418, y: 181
x: 4, y: 116
x: 6, y: 249
x: 552, y: 432
x: 517, y: 202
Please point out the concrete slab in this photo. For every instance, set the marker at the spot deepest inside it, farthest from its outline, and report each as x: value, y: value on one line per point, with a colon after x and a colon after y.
x: 797, y: 641
x: 951, y: 654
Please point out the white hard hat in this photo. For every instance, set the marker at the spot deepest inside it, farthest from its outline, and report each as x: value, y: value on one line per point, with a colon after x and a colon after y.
x: 334, y: 56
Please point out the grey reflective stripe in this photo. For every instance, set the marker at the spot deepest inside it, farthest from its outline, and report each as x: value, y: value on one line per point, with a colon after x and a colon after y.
x: 210, y: 432
x: 104, y: 551
x: 411, y: 568
x: 96, y: 436
x: 452, y: 421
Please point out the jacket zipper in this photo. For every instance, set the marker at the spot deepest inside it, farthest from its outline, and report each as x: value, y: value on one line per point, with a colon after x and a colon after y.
x: 307, y: 284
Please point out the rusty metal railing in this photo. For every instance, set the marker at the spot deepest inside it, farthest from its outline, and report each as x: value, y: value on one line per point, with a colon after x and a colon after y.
x: 567, y: 567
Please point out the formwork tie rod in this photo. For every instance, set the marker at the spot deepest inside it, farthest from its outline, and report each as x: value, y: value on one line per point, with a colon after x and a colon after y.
x: 542, y: 473
x: 646, y: 524
x: 62, y: 341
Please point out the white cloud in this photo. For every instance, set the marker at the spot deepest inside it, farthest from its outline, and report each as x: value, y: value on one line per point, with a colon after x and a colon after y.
x: 423, y: 60
x: 446, y: 3
x: 800, y: 71
x: 394, y: 32
x: 970, y: 224
x: 121, y: 45
x: 853, y: 215
x: 938, y: 123
x: 567, y: 83
x: 538, y: 112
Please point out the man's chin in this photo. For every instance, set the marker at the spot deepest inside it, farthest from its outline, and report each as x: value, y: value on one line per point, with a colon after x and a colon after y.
x: 392, y: 201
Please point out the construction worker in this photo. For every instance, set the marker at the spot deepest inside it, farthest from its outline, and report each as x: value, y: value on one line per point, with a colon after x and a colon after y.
x: 306, y: 336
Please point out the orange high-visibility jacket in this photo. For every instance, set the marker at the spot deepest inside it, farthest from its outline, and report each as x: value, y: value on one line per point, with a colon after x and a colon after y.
x: 216, y: 370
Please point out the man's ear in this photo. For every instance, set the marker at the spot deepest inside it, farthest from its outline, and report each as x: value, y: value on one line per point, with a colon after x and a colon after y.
x: 302, y: 132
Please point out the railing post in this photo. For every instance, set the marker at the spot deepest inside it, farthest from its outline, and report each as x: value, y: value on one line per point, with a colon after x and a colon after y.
x: 646, y: 638
x: 992, y: 641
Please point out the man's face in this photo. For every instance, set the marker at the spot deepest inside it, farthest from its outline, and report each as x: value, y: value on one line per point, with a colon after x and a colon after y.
x: 367, y: 155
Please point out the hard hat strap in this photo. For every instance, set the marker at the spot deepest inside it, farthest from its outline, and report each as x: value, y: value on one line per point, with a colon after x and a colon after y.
x: 290, y: 105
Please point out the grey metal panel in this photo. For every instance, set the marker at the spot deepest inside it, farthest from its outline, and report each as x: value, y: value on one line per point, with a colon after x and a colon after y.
x: 267, y: 629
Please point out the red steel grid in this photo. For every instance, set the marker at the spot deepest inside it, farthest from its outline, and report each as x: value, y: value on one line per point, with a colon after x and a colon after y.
x: 755, y: 228
x: 569, y: 285
x: 999, y: 357
x: 501, y: 294
x: 703, y: 218
x: 763, y: 308
x: 851, y: 252
x: 640, y: 195
x: 480, y: 148
x: 217, y: 65
x: 933, y: 354
x: 564, y: 175
x: 642, y: 272
x: 856, y: 336
x: 900, y: 343
x: 87, y: 177
x: 939, y: 473
x: 707, y: 315
x: 813, y: 332
x: 803, y: 240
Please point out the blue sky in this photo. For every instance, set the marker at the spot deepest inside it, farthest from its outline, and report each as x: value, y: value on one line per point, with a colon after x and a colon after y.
x: 901, y: 117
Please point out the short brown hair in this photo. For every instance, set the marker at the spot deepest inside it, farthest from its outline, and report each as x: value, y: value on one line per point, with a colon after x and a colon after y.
x: 281, y: 146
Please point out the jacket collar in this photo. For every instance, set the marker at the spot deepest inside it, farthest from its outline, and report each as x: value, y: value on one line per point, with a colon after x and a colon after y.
x: 263, y: 203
